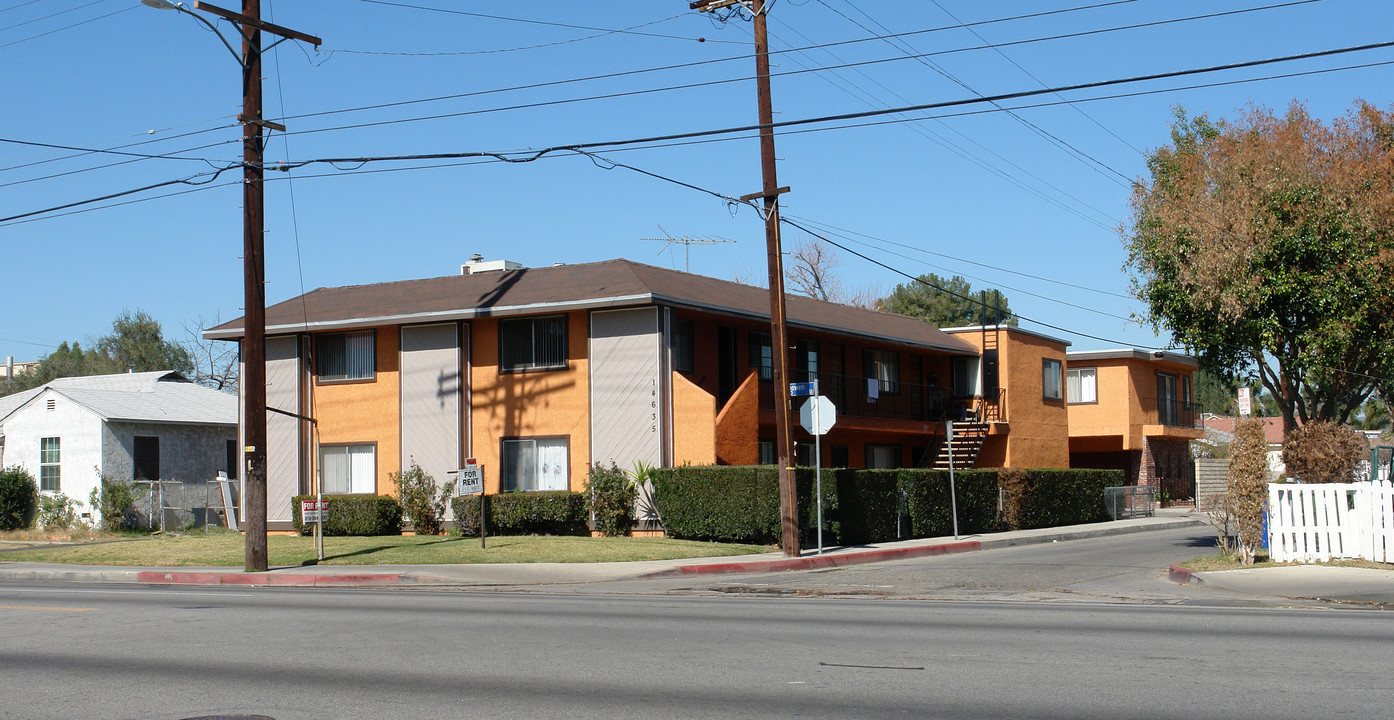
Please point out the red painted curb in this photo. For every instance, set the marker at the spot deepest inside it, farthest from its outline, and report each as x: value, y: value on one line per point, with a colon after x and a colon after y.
x: 1182, y: 576
x: 817, y: 562
x: 160, y: 577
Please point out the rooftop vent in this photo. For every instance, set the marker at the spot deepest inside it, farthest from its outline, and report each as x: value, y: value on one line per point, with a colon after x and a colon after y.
x: 478, y: 265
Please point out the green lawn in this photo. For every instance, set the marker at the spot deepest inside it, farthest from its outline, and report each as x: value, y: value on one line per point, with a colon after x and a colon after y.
x: 227, y: 549
x: 1261, y: 560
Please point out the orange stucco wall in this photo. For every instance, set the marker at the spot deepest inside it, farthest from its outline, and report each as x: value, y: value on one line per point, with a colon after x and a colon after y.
x: 1038, y: 428
x: 694, y: 423
x: 366, y: 411
x: 1127, y: 401
x: 544, y: 403
x: 738, y: 424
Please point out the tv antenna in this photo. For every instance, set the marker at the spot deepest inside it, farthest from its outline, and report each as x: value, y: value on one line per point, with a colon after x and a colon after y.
x: 687, y: 243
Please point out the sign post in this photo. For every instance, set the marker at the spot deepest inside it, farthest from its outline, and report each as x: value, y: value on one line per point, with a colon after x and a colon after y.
x: 312, y: 511
x: 953, y: 497
x: 817, y: 417
x: 1245, y: 403
x: 470, y: 480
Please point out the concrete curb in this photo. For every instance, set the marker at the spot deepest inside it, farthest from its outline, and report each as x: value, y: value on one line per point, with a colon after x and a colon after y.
x: 842, y: 559
x: 815, y: 562
x: 1183, y: 576
x: 164, y: 577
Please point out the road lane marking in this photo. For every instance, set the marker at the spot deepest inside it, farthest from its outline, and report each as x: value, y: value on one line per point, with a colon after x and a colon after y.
x: 43, y: 607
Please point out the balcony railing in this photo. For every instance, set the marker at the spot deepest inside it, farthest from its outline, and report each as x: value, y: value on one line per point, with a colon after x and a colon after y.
x: 871, y: 398
x: 1179, y: 413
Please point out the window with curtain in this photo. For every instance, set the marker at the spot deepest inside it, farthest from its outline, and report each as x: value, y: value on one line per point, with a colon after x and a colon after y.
x: 1050, y: 378
x: 1081, y: 385
x: 965, y: 380
x: 344, y: 356
x: 50, y: 458
x: 536, y: 464
x: 532, y: 343
x: 884, y: 367
x: 346, y: 469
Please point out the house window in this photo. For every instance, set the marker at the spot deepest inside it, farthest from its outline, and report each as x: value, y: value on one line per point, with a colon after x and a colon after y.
x: 1081, y: 385
x: 682, y: 346
x: 532, y: 343
x: 344, y: 356
x: 348, y: 469
x: 965, y: 370
x: 1050, y: 378
x: 536, y: 464
x: 882, y: 456
x: 839, y: 456
x: 767, y: 453
x: 49, y: 468
x: 146, y: 458
x: 806, y: 361
x: 884, y: 367
x: 761, y: 356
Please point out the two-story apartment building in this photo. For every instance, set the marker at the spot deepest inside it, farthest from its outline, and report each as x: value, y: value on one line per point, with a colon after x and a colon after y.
x: 1131, y: 410
x: 539, y: 373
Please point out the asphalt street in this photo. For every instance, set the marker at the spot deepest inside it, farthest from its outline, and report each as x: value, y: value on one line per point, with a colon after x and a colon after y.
x: 82, y: 651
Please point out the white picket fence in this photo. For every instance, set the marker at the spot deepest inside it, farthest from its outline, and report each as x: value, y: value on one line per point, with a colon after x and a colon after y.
x: 1314, y: 523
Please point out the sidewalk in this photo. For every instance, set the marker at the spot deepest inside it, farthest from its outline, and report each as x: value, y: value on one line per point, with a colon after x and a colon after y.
x: 485, y: 575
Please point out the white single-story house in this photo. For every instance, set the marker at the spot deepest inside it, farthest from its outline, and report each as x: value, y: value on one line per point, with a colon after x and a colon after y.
x: 146, y: 426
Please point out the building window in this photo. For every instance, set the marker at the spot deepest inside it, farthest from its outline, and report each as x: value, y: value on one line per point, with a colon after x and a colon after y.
x: 536, y: 464
x: 532, y: 343
x: 761, y: 355
x: 806, y: 361
x: 965, y: 370
x: 344, y: 356
x: 839, y: 456
x: 1082, y: 385
x: 49, y: 467
x: 766, y: 452
x: 146, y: 458
x: 683, y: 335
x: 348, y: 469
x: 1050, y: 378
x: 884, y: 367
x: 882, y: 456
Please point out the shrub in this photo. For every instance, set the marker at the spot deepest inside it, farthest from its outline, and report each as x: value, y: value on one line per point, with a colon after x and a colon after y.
x: 1247, y: 486
x: 610, y: 494
x: 359, y: 515
x: 422, y: 500
x: 57, y: 512
x: 1054, y: 496
x: 1012, y: 482
x: 1324, y: 452
x: 116, y: 500
x: 523, y: 513
x: 929, y: 502
x: 19, y: 497
x: 725, y: 503
x: 867, y: 505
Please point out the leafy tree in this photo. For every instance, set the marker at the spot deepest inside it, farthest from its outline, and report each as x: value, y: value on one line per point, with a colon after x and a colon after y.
x: 945, y: 303
x: 136, y: 344
x: 1265, y: 245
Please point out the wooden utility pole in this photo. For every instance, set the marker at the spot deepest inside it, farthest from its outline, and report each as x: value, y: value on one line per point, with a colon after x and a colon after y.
x: 253, y: 380
x: 779, y: 336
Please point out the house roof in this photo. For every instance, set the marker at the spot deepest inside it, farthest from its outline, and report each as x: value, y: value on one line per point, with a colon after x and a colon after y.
x: 1008, y: 328
x: 1133, y: 354
x: 611, y: 283
x: 158, y: 397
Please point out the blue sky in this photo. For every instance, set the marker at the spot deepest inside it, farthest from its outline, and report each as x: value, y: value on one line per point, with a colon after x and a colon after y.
x: 1027, y: 201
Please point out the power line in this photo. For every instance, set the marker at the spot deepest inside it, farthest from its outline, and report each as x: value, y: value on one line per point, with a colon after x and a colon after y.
x: 66, y: 27
x: 183, y: 181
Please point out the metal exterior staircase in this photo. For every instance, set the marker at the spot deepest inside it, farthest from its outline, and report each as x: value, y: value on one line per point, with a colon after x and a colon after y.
x: 968, y: 440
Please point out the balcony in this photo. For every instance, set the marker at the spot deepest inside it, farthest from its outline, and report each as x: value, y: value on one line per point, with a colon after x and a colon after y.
x: 1178, y: 413
x: 853, y: 397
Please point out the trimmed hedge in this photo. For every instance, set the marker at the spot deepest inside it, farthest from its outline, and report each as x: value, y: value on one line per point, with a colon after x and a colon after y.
x: 929, y: 502
x: 741, y: 504
x: 1066, y: 497
x: 525, y: 513
x: 361, y: 515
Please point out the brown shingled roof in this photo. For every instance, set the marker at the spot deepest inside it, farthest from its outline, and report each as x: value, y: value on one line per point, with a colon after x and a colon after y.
x: 611, y: 283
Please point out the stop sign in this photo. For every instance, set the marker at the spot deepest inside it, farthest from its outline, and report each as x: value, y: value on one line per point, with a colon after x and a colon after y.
x: 826, y: 415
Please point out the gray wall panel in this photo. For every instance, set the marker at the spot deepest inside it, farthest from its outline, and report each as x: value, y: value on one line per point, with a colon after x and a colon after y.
x: 283, y: 435
x: 430, y: 383
x: 626, y: 389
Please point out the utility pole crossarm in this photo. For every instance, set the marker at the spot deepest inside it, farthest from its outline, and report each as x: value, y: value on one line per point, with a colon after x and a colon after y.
x: 257, y: 23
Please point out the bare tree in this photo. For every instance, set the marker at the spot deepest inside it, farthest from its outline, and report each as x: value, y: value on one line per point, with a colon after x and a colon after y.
x: 811, y: 271
x: 215, y: 361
